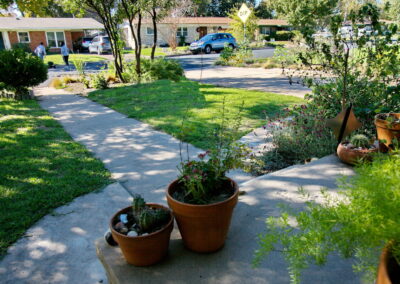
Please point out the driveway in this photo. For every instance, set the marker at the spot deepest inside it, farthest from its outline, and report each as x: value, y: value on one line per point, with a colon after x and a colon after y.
x: 266, y: 80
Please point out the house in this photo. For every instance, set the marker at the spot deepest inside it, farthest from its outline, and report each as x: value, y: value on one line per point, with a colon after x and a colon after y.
x: 193, y: 28
x: 50, y: 31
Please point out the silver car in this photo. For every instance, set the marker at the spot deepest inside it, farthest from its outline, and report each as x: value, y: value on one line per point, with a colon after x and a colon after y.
x: 100, y: 44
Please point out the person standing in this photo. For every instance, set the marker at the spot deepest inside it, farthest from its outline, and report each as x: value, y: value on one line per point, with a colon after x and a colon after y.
x: 65, y: 53
x: 40, y: 51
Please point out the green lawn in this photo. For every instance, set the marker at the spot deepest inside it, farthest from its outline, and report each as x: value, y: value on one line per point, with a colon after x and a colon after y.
x: 164, y: 103
x: 159, y: 51
x: 41, y: 168
x: 57, y: 58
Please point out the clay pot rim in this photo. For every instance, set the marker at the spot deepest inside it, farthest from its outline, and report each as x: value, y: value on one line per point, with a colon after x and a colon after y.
x: 384, y: 121
x: 233, y: 196
x: 171, y: 220
x: 363, y: 150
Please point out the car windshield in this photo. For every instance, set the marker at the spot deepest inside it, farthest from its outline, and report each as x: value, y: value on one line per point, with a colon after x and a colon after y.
x: 206, y: 38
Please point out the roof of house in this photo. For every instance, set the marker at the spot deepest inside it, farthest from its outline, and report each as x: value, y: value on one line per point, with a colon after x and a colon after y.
x: 35, y: 24
x: 215, y: 21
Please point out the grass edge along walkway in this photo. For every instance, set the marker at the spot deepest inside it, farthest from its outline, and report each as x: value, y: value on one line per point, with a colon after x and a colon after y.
x: 41, y: 168
x: 164, y: 103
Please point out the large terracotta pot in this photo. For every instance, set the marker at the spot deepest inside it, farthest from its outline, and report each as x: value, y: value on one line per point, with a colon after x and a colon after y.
x: 203, y: 227
x: 352, y: 156
x: 388, y: 269
x: 143, y: 250
x: 386, y: 131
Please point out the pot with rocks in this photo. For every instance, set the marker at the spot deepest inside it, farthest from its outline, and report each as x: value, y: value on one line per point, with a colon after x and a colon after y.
x: 142, y: 231
x: 357, y: 149
x: 388, y: 129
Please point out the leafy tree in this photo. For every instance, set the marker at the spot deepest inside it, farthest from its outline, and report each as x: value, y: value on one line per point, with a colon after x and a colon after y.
x: 200, y: 7
x: 392, y: 10
x: 264, y: 10
x: 239, y: 30
x: 107, y: 11
x: 221, y: 8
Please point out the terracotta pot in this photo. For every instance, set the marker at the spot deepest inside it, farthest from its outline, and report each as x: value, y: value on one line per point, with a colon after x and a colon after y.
x: 143, y: 250
x: 386, y: 131
x: 388, y: 269
x: 203, y: 227
x: 352, y: 156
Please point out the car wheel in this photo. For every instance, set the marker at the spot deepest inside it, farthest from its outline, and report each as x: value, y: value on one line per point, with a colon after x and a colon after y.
x: 207, y: 49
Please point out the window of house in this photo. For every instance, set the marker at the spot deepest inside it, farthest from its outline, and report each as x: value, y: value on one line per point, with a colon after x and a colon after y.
x: 23, y: 37
x: 55, y: 39
x: 265, y: 30
x: 149, y: 31
x: 182, y: 31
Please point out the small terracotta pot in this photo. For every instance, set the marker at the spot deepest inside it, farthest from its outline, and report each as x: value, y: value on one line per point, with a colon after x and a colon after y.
x: 143, y: 250
x: 203, y: 227
x: 388, y: 269
x: 386, y: 131
x: 352, y: 156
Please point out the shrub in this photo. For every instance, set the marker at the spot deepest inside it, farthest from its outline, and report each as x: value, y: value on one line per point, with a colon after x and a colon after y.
x: 153, y: 70
x: 23, y: 46
x: 20, y: 70
x: 69, y: 79
x: 284, y: 35
x: 98, y: 81
x: 299, y: 135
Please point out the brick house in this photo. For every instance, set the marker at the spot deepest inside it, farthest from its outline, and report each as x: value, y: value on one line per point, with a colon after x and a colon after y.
x: 50, y: 31
x: 193, y: 28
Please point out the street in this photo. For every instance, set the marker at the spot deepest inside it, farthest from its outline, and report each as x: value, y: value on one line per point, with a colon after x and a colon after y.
x: 190, y: 62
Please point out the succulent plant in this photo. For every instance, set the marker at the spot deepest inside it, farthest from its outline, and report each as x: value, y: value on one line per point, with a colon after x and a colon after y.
x: 138, y: 204
x: 360, y: 141
x: 146, y: 218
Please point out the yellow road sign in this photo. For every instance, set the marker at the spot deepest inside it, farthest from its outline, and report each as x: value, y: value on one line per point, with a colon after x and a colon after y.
x: 244, y: 13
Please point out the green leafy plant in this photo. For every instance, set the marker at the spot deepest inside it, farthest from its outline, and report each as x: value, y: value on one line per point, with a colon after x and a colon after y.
x: 360, y: 141
x: 20, y: 70
x: 203, y: 179
x: 80, y: 66
x: 98, y: 81
x: 23, y: 46
x: 284, y: 35
x: 358, y: 222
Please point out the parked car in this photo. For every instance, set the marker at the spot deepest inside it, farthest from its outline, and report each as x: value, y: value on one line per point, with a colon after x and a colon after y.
x: 100, y: 44
x: 213, y: 42
x: 82, y: 44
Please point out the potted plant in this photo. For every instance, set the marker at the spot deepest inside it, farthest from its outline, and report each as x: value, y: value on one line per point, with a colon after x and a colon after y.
x: 357, y: 149
x: 202, y: 198
x: 387, y: 128
x: 360, y: 222
x: 142, y: 231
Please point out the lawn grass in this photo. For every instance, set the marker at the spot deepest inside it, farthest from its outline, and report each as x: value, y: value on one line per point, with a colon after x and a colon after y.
x: 41, y: 168
x: 57, y: 58
x: 163, y: 104
x: 159, y: 51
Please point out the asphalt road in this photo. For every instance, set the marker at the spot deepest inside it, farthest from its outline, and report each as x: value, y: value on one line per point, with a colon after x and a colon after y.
x: 190, y: 62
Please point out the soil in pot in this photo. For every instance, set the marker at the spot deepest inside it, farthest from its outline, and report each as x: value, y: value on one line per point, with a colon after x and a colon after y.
x: 387, y: 128
x: 141, y: 247
x: 350, y: 154
x: 389, y: 269
x: 204, y: 227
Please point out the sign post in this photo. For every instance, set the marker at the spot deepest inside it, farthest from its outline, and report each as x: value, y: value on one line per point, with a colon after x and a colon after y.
x: 244, y: 13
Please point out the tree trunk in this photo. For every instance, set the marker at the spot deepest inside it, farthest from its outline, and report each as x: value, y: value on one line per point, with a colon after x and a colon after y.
x: 138, y: 51
x: 154, y: 19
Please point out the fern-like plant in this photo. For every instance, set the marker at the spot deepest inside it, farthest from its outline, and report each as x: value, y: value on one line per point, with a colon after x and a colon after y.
x: 358, y: 223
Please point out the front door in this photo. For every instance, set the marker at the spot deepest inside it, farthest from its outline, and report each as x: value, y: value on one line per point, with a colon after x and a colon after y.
x: 202, y: 31
x: 1, y: 41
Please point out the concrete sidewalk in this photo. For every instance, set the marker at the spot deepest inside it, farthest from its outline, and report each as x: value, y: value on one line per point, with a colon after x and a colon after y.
x: 260, y: 79
x: 232, y: 264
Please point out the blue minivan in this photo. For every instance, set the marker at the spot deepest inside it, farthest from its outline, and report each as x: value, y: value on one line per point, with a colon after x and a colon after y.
x: 213, y: 42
